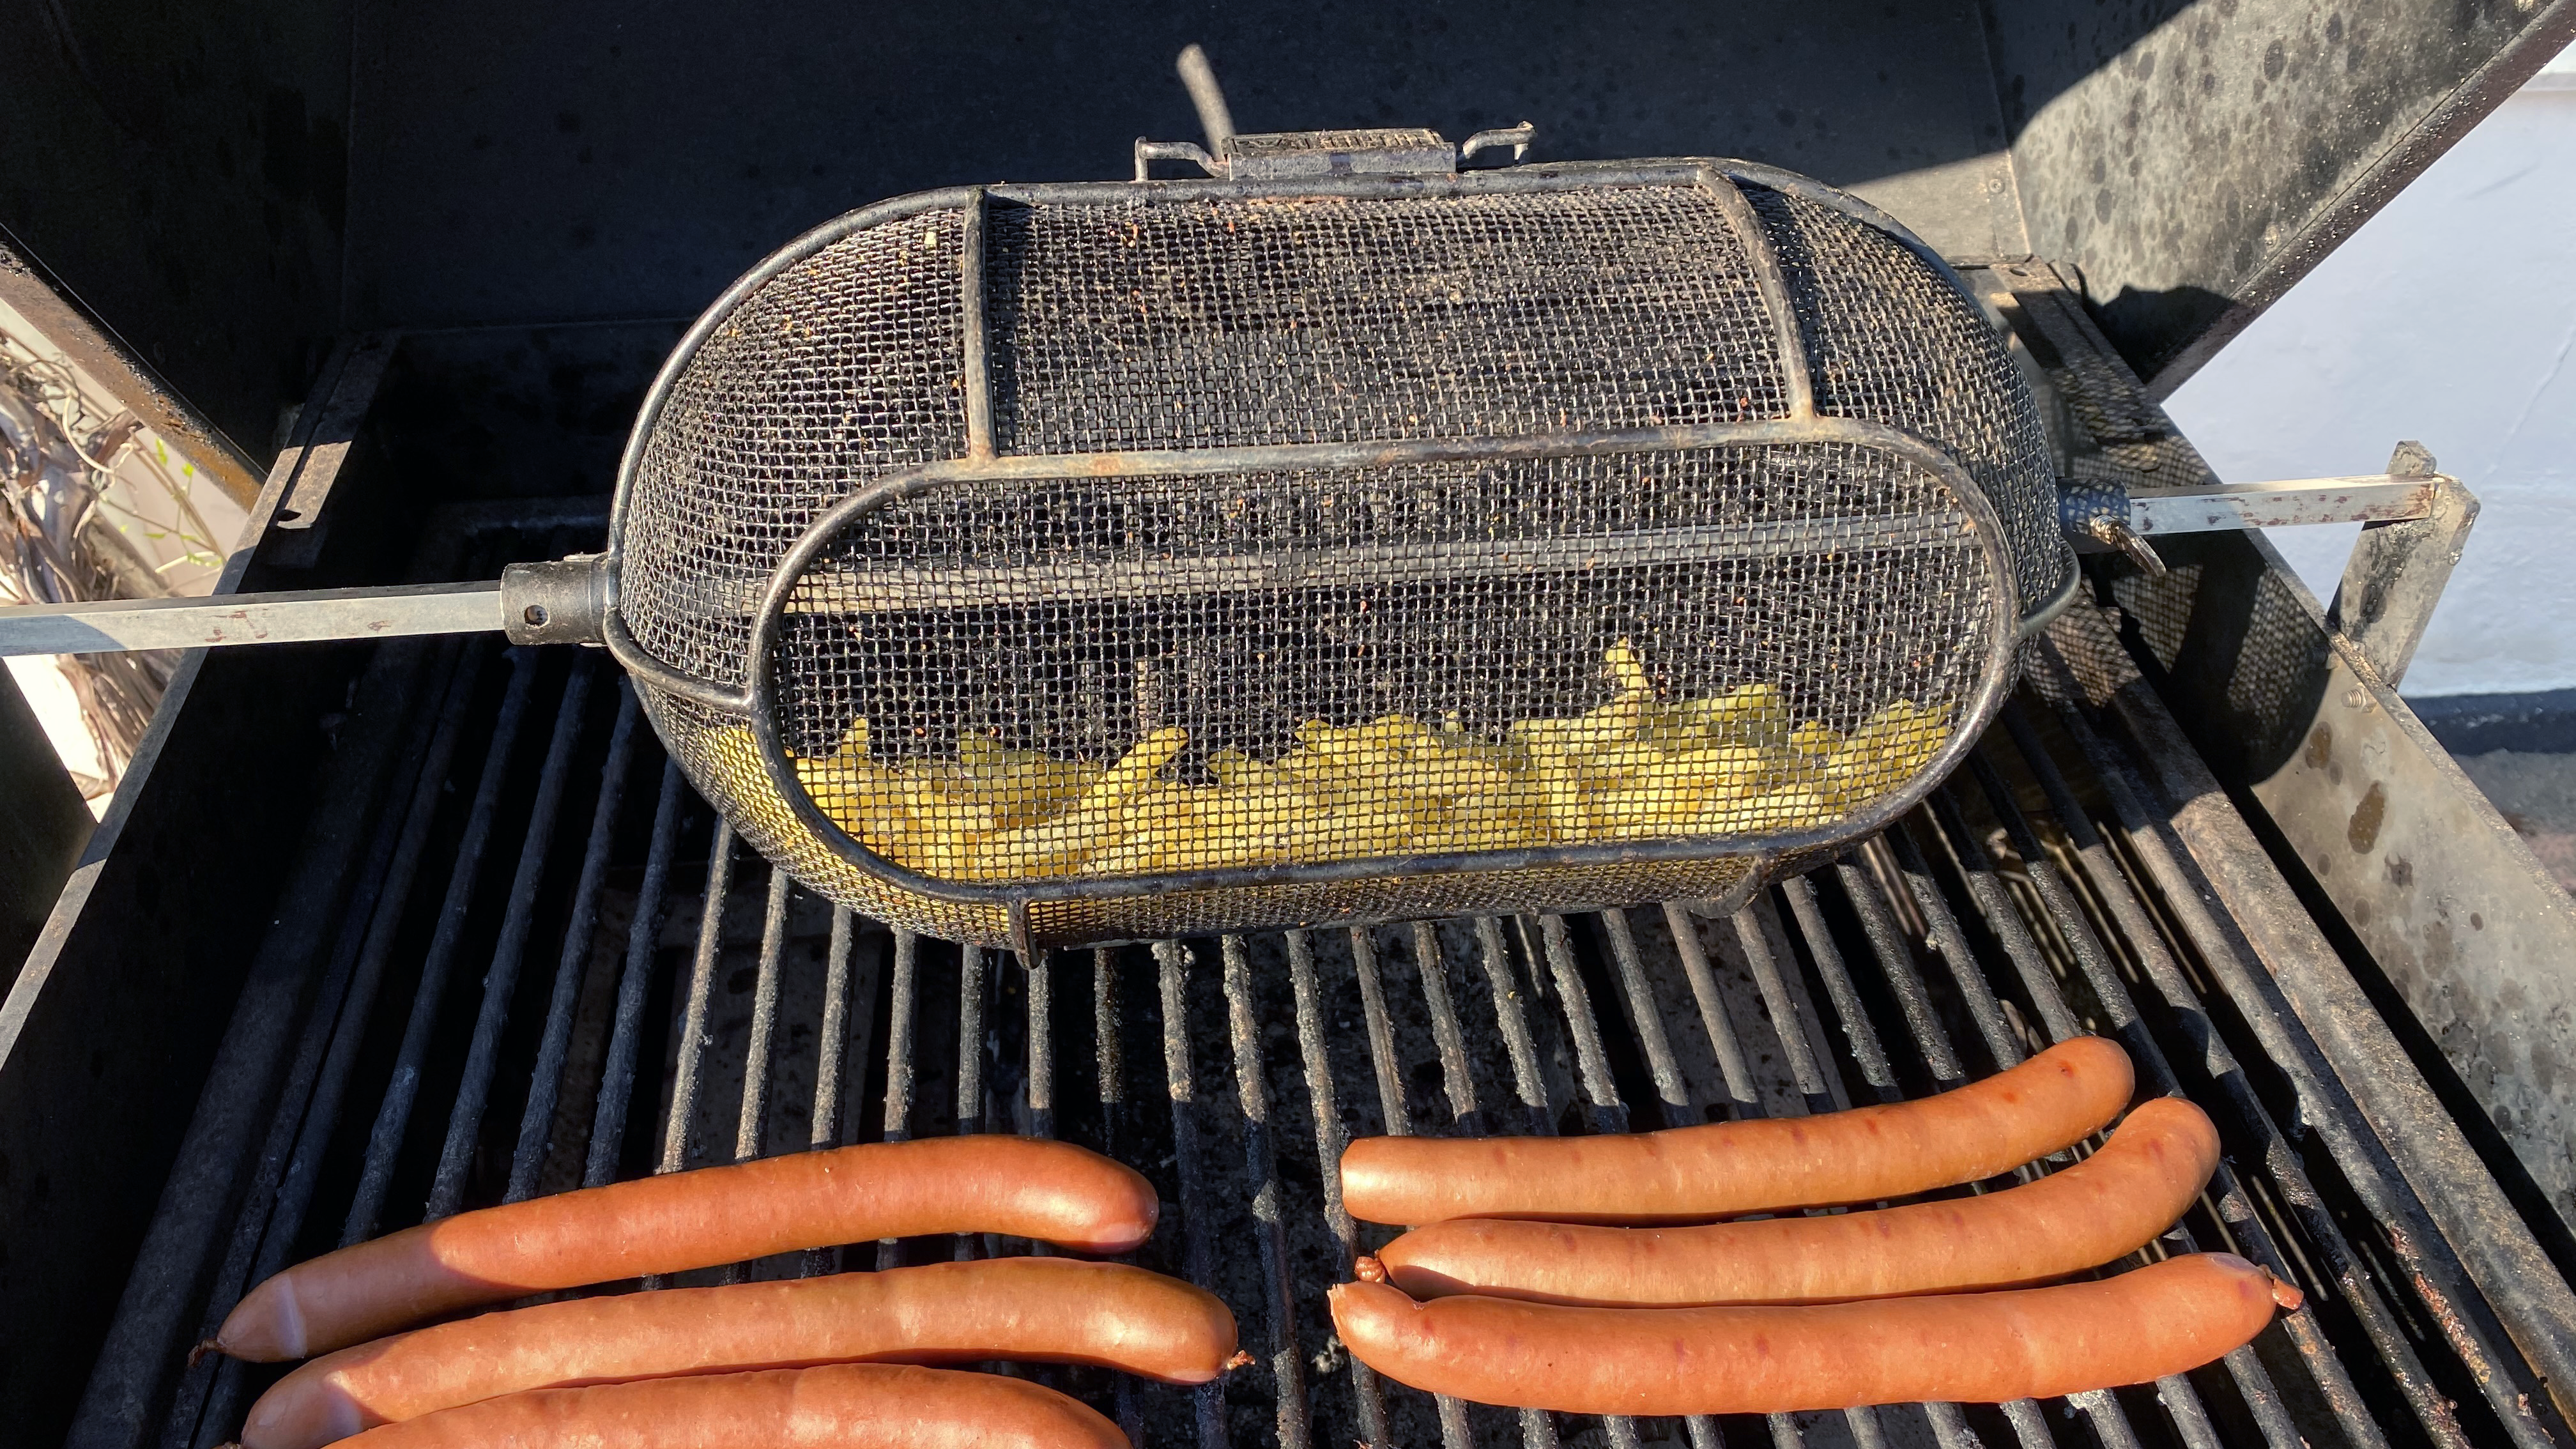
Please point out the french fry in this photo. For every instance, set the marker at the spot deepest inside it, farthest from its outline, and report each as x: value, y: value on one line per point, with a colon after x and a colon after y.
x: 1628, y: 673
x: 1725, y: 772
x: 1158, y: 821
x: 1886, y: 750
x: 1729, y: 764
x: 1487, y: 822
x: 1779, y: 810
x: 1560, y: 786
x: 1815, y: 737
x: 1236, y: 770
x: 1139, y: 765
x: 1098, y: 820
x: 1664, y: 807
x: 1612, y: 724
x: 1050, y: 848
x: 1751, y: 714
x: 1448, y: 775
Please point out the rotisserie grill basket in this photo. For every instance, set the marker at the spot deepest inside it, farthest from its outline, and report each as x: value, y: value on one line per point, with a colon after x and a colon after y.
x: 1084, y: 562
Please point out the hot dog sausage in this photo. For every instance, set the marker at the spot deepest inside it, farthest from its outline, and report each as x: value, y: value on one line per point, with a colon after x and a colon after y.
x: 1726, y: 1168
x: 1025, y: 1187
x: 2093, y: 1212
x: 1049, y: 1309
x: 848, y: 1406
x: 1967, y: 1347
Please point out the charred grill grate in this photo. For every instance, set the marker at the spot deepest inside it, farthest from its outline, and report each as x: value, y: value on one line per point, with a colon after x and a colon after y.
x: 529, y: 993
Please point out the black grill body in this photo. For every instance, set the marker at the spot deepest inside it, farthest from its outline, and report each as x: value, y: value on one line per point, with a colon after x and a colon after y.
x: 522, y: 954
x: 382, y: 932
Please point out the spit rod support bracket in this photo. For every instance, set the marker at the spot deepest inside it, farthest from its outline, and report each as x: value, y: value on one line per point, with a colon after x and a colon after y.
x: 2399, y: 567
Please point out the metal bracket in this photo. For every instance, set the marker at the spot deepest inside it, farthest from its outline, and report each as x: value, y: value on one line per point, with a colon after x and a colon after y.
x: 1301, y: 155
x: 313, y: 462
x: 1517, y: 137
x: 562, y: 601
x: 2094, y: 509
x: 2400, y: 566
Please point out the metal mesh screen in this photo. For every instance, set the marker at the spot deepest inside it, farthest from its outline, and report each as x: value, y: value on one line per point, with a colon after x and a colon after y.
x: 1461, y: 670
x: 839, y: 370
x: 1328, y: 319
x: 1080, y: 680
x: 1890, y: 341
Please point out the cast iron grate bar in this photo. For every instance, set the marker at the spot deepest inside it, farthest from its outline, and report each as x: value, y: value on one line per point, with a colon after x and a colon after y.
x: 1323, y: 1097
x: 1172, y: 960
x: 2253, y: 1381
x: 1261, y: 1167
x: 1949, y: 1423
x: 748, y: 1125
x: 2146, y: 944
x: 210, y: 1390
x: 974, y: 990
x: 693, y: 1040
x: 2047, y: 994
x: 2156, y: 964
x: 900, y: 1023
x: 545, y: 1085
x: 1609, y: 1114
x: 1115, y: 1131
x: 1896, y: 962
x: 846, y: 1010
x: 501, y: 979
x: 1450, y: 1045
x: 2042, y: 925
x: 617, y: 1073
x: 1538, y: 1428
x: 393, y: 1113
x: 1814, y: 1093
x: 1646, y: 1020
x: 2424, y: 1260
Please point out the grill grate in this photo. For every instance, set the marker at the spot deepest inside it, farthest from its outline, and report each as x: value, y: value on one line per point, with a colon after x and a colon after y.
x: 2029, y: 900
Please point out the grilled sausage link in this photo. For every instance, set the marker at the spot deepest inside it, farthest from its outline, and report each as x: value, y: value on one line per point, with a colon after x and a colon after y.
x: 1052, y: 1191
x: 848, y: 1406
x: 2106, y: 1206
x: 1726, y: 1168
x: 1056, y: 1310
x: 1968, y: 1347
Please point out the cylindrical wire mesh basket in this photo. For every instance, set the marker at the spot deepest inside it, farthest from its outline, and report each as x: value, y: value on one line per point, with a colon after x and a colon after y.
x: 1076, y: 563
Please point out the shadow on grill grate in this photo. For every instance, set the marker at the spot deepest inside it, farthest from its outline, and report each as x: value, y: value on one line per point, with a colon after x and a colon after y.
x: 529, y: 994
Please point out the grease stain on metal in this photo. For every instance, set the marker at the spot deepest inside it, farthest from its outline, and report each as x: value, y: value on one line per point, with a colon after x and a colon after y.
x: 2363, y: 829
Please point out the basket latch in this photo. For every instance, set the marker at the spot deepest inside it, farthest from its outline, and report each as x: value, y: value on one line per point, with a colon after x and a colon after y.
x: 1312, y: 155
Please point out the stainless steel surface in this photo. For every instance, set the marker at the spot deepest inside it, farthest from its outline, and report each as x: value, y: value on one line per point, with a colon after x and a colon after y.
x: 276, y: 618
x: 96, y: 349
x: 2369, y: 498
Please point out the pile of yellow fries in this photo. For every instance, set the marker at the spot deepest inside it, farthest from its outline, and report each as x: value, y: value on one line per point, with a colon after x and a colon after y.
x: 1634, y: 769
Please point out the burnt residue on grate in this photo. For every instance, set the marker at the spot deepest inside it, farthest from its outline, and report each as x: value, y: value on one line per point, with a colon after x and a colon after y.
x: 531, y: 992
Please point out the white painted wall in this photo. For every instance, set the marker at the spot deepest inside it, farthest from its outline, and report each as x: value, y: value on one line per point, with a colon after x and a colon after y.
x: 2451, y: 318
